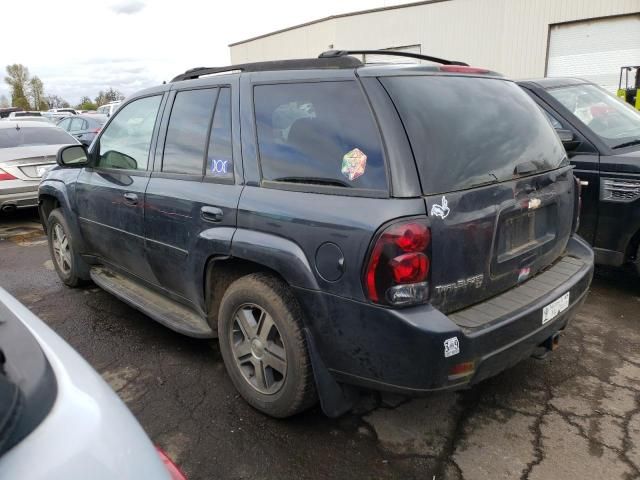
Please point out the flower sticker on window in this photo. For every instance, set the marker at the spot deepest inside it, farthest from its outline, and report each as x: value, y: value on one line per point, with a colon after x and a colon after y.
x: 354, y: 164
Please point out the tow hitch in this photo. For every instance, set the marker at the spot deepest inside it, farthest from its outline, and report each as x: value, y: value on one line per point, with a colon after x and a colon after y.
x: 549, y: 345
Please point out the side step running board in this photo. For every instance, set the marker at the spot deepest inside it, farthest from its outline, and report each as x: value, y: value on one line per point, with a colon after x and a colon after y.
x: 162, y: 309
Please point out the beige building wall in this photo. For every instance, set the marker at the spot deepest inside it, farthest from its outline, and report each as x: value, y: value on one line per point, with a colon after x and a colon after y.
x: 509, y: 36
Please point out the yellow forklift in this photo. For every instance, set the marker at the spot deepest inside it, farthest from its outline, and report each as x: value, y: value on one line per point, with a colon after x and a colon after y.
x: 631, y: 92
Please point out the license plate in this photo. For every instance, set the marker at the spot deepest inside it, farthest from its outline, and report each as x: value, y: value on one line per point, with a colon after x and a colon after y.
x: 554, y: 309
x: 42, y: 169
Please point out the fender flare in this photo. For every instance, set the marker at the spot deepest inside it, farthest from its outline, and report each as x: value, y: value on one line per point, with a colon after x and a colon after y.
x: 58, y: 190
x: 277, y: 253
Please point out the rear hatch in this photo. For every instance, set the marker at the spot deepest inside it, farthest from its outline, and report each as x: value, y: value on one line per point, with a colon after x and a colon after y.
x: 495, y: 178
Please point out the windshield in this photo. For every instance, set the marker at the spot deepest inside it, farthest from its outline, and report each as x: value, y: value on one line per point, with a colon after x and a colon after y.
x: 468, y: 131
x: 615, y: 122
x: 27, y: 137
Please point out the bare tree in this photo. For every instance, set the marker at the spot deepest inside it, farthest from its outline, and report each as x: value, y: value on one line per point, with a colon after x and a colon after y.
x: 4, y: 101
x: 55, y: 101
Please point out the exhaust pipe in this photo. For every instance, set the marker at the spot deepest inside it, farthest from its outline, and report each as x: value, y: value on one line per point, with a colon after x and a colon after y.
x: 549, y: 345
x: 9, y: 208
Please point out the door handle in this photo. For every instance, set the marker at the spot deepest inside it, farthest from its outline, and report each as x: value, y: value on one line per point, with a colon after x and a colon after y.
x: 131, y: 198
x: 211, y: 214
x: 584, y: 183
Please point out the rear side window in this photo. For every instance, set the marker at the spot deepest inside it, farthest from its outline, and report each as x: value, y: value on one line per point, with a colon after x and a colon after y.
x: 219, y: 154
x: 318, y: 133
x: 186, y: 139
x: 471, y: 131
x: 77, y: 124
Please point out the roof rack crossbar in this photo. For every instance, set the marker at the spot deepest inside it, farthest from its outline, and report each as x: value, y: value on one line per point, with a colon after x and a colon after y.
x: 343, y: 53
x: 201, y: 71
x: 298, y: 64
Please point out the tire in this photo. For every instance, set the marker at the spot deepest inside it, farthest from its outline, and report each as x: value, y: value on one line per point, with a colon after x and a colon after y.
x: 71, y: 268
x: 245, y: 332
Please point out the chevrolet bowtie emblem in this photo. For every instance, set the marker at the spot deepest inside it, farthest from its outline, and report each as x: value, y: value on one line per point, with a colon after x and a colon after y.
x: 534, y: 203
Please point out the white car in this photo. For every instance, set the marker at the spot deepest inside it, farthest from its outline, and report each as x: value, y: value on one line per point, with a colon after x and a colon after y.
x: 109, y: 108
x: 58, y: 418
x: 30, y: 113
x: 27, y: 150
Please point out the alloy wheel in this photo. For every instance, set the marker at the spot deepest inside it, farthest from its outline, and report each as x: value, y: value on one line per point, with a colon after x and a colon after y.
x: 258, y: 349
x: 61, y: 249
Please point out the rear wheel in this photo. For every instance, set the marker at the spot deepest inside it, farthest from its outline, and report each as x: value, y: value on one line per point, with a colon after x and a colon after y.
x: 263, y: 345
x: 71, y: 269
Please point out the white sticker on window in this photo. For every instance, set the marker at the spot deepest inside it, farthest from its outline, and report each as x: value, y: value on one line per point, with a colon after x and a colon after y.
x: 451, y: 347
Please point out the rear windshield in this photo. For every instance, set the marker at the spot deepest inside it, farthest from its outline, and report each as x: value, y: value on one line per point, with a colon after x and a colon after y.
x: 471, y: 131
x: 24, y: 137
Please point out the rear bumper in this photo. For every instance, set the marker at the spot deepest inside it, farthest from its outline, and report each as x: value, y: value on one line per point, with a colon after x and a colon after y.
x: 25, y: 195
x: 404, y: 350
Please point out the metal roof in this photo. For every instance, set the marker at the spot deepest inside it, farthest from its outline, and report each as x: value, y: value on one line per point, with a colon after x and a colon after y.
x: 341, y: 15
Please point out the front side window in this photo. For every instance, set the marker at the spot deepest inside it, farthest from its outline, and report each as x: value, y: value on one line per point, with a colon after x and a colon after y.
x: 126, y: 141
x: 552, y: 120
x: 186, y: 139
x: 77, y: 124
x: 320, y: 134
x: 219, y: 154
x: 613, y: 120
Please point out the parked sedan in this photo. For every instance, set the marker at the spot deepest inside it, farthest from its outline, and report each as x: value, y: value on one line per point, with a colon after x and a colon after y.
x: 35, y: 118
x: 58, y: 418
x: 27, y: 150
x: 30, y: 113
x: 84, y: 127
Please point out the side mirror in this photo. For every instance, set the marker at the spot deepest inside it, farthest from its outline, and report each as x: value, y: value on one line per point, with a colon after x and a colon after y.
x: 568, y: 139
x: 72, y: 156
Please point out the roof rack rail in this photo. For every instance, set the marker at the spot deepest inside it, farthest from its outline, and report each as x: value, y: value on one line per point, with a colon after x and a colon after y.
x: 344, y: 53
x: 299, y: 64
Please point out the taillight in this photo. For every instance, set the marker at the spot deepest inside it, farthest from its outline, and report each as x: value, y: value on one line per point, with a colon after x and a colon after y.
x: 6, y: 176
x: 96, y: 130
x: 399, y: 264
x: 174, y: 472
x: 462, y: 69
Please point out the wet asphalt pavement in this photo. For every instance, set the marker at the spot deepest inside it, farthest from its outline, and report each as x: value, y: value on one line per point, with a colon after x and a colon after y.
x: 575, y: 415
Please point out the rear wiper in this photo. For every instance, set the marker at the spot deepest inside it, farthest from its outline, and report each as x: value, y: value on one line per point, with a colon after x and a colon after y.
x: 628, y: 144
x: 525, y: 167
x: 493, y: 179
x: 313, y: 181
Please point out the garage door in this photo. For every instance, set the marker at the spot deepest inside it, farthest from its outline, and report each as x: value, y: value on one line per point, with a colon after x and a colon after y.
x: 372, y: 58
x: 595, y: 49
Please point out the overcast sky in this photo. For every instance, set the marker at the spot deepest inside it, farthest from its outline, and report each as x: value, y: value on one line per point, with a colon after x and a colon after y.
x: 78, y: 47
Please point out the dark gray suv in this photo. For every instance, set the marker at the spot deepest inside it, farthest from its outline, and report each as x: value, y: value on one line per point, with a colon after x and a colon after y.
x: 334, y: 225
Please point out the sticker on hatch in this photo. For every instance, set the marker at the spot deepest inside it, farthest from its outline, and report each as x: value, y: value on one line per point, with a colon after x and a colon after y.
x: 555, y: 308
x: 451, y: 347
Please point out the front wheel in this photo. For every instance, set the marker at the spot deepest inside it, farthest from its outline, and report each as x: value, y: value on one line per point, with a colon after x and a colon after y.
x: 263, y: 345
x: 69, y: 266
